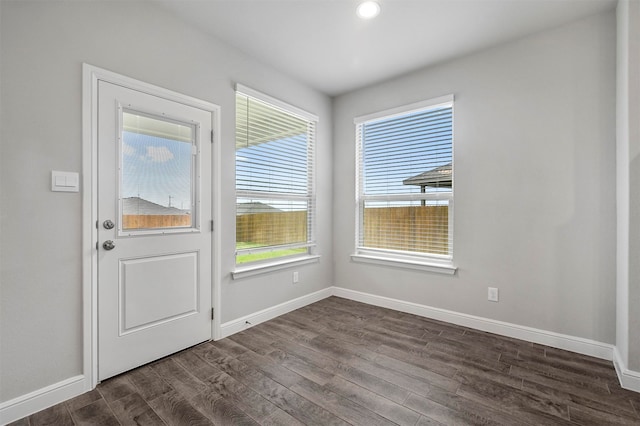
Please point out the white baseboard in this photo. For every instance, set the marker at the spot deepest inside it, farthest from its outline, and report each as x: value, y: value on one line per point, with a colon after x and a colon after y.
x: 40, y: 399
x: 549, y: 338
x: 237, y: 325
x: 629, y: 379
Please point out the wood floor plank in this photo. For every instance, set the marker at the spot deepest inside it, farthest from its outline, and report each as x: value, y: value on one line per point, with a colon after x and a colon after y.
x: 148, y: 383
x: 286, y: 331
x: 457, y: 360
x: 361, y: 309
x: 453, y: 347
x: 489, y: 342
x: 280, y: 418
x: 442, y: 363
x: 522, y: 404
x: 229, y: 347
x: 556, y: 354
x: 56, y: 415
x: 381, y: 335
x: 220, y: 410
x: 244, y: 398
x: 436, y: 412
x: 376, y: 310
x: 373, y: 383
x: 474, y: 373
x: 309, y: 314
x: 307, y: 354
x: 96, y: 413
x: 344, y: 316
x: 586, y: 416
x: 331, y: 348
x: 305, y: 322
x: 339, y: 406
x: 134, y: 410
x: 373, y: 401
x: 410, y: 383
x: 289, y: 401
x: 405, y: 328
x: 293, y: 328
x: 350, y: 333
x: 270, y: 368
x: 426, y: 421
x: 579, y: 398
x: 434, y: 326
x: 624, y: 394
x: 253, y: 340
x: 83, y: 400
x: 339, y: 349
x: 174, y: 409
x: 190, y: 361
x: 418, y: 359
x: 116, y: 388
x: 211, y: 354
x: 179, y: 378
x: 301, y: 367
x: 413, y: 370
x: 586, y: 370
x: 473, y: 411
x: 532, y: 371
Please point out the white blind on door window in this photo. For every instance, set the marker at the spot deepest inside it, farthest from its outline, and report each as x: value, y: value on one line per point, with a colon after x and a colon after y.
x: 274, y: 181
x: 405, y: 182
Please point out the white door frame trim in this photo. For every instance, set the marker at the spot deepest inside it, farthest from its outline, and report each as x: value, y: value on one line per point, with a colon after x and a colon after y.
x: 90, y: 77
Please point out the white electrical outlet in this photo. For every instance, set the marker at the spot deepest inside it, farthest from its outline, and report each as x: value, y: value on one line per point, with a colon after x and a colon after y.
x: 295, y: 277
x: 493, y: 294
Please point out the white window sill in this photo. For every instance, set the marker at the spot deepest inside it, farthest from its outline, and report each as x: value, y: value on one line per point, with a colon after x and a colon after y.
x: 263, y: 268
x: 446, y: 268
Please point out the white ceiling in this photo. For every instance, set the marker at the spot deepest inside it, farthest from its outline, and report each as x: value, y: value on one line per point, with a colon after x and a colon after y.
x: 324, y: 44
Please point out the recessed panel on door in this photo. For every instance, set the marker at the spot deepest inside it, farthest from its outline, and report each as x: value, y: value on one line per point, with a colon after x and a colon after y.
x: 173, y: 278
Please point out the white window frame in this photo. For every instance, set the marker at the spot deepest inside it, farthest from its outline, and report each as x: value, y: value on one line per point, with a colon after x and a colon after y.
x: 387, y: 257
x: 253, y: 268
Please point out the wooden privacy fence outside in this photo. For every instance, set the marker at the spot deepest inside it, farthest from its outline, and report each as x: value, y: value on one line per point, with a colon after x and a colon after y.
x: 149, y: 221
x: 273, y: 228
x: 418, y: 228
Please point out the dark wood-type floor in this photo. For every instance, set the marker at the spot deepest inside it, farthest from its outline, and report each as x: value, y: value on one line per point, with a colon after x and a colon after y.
x: 340, y: 362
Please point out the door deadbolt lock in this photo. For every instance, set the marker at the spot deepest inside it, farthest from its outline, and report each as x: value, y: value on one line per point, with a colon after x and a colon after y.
x: 108, y: 245
x: 108, y: 224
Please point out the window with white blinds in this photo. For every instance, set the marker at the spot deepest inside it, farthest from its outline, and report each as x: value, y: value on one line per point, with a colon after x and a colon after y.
x: 405, y: 181
x: 275, y: 199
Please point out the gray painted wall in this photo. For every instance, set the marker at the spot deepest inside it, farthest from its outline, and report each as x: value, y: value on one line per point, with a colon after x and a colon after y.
x: 534, y: 182
x: 628, y: 182
x: 43, y: 47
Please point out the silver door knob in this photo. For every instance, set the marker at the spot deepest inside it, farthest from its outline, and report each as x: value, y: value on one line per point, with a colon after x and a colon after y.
x: 108, y: 245
x: 108, y: 224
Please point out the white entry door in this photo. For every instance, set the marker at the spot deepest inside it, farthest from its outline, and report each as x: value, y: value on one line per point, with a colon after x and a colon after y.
x: 154, y: 228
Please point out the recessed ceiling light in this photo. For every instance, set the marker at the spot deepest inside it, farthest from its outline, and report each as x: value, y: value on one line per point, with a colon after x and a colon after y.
x: 368, y: 9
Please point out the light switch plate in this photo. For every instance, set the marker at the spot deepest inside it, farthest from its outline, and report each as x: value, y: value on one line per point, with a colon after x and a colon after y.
x: 65, y: 181
x: 492, y: 294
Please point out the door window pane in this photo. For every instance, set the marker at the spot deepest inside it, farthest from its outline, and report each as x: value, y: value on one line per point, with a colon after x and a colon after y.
x: 157, y: 169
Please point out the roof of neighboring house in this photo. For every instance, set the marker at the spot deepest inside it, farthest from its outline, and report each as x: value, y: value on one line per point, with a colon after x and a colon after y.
x: 440, y: 177
x: 254, y: 207
x: 140, y: 206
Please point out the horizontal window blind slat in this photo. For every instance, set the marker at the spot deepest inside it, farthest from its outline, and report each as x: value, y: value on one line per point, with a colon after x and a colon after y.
x: 405, y: 182
x: 274, y: 181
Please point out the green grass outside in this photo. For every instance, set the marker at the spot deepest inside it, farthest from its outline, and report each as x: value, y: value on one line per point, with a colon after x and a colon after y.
x: 253, y: 257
